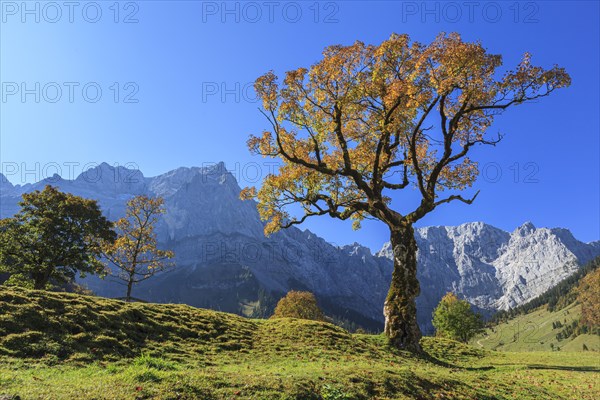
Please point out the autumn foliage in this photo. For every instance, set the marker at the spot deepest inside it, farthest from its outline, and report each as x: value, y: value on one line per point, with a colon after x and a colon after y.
x: 297, y: 304
x: 367, y: 121
x: 588, y: 295
x: 360, y: 122
x: 135, y: 254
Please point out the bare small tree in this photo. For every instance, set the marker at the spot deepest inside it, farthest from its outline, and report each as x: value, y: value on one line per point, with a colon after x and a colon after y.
x: 134, y: 253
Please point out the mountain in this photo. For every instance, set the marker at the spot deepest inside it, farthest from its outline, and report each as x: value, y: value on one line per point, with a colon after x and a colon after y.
x: 491, y: 268
x: 5, y: 185
x: 223, y: 259
x: 225, y: 262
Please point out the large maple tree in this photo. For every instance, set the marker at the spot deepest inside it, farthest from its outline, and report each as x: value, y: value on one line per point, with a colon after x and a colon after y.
x: 368, y: 120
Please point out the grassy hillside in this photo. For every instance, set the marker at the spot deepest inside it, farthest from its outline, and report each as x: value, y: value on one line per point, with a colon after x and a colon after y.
x: 537, y: 331
x: 550, y: 322
x: 64, y: 346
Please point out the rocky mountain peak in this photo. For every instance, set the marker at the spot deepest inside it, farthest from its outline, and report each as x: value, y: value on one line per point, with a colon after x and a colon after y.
x: 107, y: 174
x: 356, y: 249
x: 525, y: 229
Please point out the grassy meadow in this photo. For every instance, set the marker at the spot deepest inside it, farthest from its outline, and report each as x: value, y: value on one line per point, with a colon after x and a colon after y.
x: 67, y: 346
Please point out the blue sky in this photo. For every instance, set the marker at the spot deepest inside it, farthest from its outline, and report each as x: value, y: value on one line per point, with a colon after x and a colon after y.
x: 174, y: 78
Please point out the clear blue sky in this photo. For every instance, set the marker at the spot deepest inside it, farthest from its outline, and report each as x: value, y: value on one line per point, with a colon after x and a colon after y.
x: 180, y: 55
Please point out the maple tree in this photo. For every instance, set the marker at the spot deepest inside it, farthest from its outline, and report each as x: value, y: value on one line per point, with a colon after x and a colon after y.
x: 134, y: 253
x: 359, y: 124
x: 54, y: 237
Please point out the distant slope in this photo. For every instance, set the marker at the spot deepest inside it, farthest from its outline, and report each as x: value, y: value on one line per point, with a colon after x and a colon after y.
x: 556, y: 297
x: 548, y: 322
x: 537, y: 331
x: 492, y: 269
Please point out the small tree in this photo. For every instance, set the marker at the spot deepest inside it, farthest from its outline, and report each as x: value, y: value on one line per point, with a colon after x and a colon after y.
x: 53, y: 237
x: 299, y: 305
x: 588, y: 295
x: 454, y: 319
x: 134, y: 253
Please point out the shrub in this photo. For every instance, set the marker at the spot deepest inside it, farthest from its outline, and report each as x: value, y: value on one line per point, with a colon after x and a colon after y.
x: 454, y: 319
x: 301, y: 305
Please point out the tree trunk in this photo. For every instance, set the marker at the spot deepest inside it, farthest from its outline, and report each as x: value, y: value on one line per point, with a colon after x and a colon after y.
x: 40, y: 279
x: 129, y: 286
x: 39, y: 282
x: 400, y: 309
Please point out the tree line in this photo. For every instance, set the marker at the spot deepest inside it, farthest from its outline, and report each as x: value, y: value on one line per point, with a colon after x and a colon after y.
x: 57, y: 236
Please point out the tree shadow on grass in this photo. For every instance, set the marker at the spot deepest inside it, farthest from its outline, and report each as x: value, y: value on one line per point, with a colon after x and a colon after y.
x: 442, y: 363
x: 565, y: 368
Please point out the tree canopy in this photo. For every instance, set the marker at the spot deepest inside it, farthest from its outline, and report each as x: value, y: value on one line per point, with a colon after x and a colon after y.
x: 454, y: 319
x: 53, y: 237
x: 135, y: 253
x: 360, y: 123
x: 588, y: 295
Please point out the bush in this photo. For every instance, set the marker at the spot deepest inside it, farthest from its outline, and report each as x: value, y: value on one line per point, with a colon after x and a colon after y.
x: 454, y: 319
x: 301, y: 305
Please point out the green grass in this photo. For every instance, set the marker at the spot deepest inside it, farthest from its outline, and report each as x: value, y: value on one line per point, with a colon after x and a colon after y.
x: 534, y: 332
x: 65, y: 346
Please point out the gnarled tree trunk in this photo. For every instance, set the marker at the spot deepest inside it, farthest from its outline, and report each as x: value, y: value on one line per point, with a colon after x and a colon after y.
x: 400, y: 309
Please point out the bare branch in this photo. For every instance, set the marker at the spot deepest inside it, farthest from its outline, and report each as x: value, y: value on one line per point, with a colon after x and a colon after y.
x: 456, y: 197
